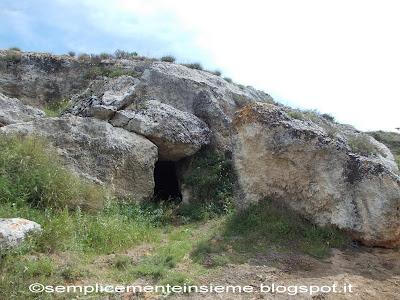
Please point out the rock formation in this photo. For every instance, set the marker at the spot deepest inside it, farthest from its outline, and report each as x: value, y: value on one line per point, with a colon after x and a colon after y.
x: 14, y: 111
x: 126, y: 114
x: 14, y: 231
x: 296, y: 162
x: 122, y: 160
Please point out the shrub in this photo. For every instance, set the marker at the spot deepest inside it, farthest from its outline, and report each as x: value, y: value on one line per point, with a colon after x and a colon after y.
x: 84, y: 57
x: 168, y: 58
x: 57, y: 108
x: 12, y: 57
x: 124, y: 54
x: 362, y: 145
x: 95, y: 59
x: 105, y: 55
x: 15, y: 49
x: 212, y: 179
x: 195, y: 66
x: 31, y: 173
x: 217, y: 73
x: 328, y: 117
x: 227, y: 79
x: 71, y: 53
x: 99, y: 71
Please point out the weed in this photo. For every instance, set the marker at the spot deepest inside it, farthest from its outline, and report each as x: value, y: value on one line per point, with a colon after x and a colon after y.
x: 212, y: 179
x: 168, y: 58
x: 57, y: 108
x: 195, y: 66
x: 362, y: 145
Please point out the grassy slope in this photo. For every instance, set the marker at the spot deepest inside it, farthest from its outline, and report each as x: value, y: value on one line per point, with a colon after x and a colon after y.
x: 391, y: 140
x: 122, y: 242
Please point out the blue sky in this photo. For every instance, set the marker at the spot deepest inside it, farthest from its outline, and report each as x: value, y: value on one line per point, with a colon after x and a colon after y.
x: 339, y: 57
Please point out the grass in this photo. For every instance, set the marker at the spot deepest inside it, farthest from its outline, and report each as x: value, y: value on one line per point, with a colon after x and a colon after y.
x: 57, y: 108
x: 32, y: 174
x: 168, y: 58
x: 257, y: 228
x: 79, y: 244
x: 391, y: 140
x: 12, y: 56
x: 212, y: 179
x: 195, y: 66
x: 362, y: 145
x: 101, y: 71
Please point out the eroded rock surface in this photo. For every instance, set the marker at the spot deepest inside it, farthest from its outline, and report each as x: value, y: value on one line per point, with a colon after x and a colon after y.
x: 14, y: 231
x: 14, y: 111
x: 202, y: 94
x: 177, y: 134
x: 299, y: 163
x: 98, y: 151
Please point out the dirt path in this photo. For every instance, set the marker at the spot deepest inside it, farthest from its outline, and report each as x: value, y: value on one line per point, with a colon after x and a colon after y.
x: 373, y: 273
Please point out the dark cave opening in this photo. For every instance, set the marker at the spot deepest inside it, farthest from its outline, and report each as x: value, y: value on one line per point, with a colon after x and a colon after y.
x: 166, y: 182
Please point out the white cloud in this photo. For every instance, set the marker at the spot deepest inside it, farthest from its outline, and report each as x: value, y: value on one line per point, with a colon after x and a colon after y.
x: 340, y: 57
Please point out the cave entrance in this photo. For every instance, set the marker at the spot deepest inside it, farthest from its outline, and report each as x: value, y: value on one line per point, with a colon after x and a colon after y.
x: 166, y: 182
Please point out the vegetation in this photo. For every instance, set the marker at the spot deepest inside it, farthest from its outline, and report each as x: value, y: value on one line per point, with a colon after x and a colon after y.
x: 32, y: 174
x: 212, y: 179
x: 391, y: 140
x: 112, y: 72
x: 12, y: 56
x: 168, y: 58
x: 57, y: 108
x: 195, y: 66
x: 217, y: 73
x: 362, y: 145
x: 71, y: 53
x: 265, y: 225
x: 84, y: 228
x: 14, y: 49
x: 124, y: 54
x: 227, y: 79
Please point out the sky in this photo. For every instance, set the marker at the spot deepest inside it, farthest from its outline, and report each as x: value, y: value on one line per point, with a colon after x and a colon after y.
x: 340, y: 57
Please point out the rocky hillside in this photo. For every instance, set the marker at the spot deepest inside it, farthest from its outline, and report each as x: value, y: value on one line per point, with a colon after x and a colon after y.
x: 126, y: 118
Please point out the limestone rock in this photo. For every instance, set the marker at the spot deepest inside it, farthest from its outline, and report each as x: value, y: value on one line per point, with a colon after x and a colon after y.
x: 14, y: 111
x: 177, y: 134
x: 317, y: 175
x: 104, y: 97
x: 14, y: 231
x: 98, y: 151
x: 40, y: 78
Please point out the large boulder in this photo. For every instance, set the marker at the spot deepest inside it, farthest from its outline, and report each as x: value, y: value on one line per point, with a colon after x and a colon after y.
x: 14, y: 111
x: 200, y: 93
x: 104, y: 97
x: 177, y: 134
x: 96, y: 150
x: 14, y: 231
x: 317, y: 174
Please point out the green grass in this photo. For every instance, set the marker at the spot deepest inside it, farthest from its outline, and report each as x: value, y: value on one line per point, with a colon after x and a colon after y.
x: 57, y: 108
x: 168, y: 58
x: 264, y: 225
x: 101, y: 71
x: 195, y: 66
x: 12, y: 56
x: 32, y: 174
x: 361, y: 144
x: 35, y: 186
x: 391, y: 140
x: 212, y: 179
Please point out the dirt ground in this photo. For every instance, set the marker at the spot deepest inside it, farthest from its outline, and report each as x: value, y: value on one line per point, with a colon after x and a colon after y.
x: 373, y: 274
